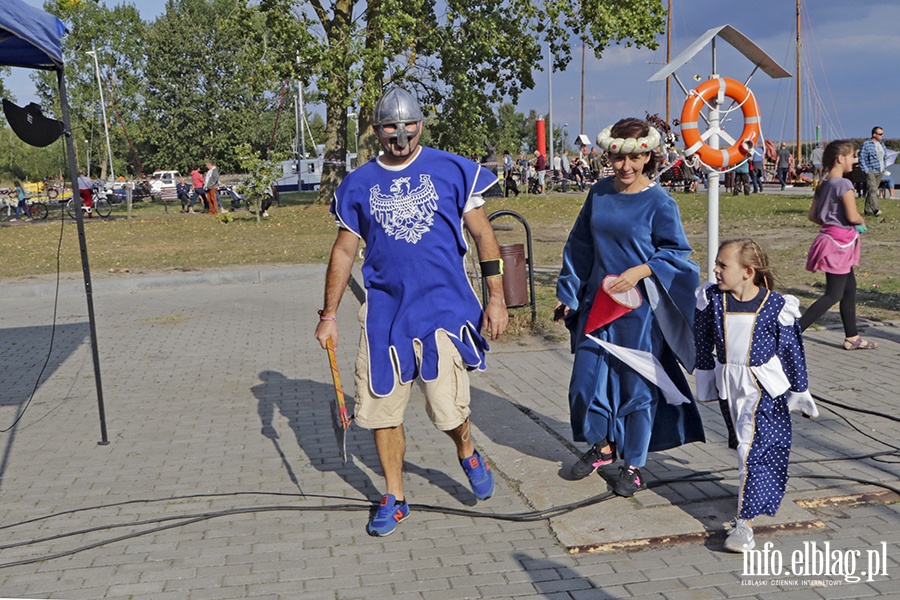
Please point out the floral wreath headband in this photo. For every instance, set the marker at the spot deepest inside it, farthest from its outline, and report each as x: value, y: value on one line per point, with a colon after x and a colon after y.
x: 628, y: 145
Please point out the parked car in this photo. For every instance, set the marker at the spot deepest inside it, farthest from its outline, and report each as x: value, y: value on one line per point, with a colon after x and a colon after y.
x: 162, y: 185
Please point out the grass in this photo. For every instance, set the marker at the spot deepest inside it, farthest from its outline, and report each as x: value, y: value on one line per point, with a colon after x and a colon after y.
x: 302, y: 232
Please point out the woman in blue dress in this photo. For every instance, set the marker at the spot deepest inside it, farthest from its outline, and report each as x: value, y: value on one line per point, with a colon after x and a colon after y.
x: 628, y: 394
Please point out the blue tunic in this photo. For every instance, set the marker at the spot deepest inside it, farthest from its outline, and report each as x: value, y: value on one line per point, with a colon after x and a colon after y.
x: 411, y: 219
x: 613, y: 233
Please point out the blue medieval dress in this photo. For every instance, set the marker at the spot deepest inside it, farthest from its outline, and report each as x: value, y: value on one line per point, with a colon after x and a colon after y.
x: 611, y: 394
x: 750, y: 358
x: 411, y: 220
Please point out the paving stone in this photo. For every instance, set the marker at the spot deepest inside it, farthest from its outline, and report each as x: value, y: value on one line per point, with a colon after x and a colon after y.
x: 252, y: 416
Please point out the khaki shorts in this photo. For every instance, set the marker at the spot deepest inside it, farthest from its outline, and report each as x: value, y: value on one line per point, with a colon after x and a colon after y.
x: 446, y: 398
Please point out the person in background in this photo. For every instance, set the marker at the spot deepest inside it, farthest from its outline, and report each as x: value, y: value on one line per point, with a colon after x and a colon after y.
x: 595, y: 163
x: 627, y: 238
x: 757, y: 173
x: 693, y: 172
x: 21, y: 207
x: 524, y: 166
x: 211, y: 187
x: 85, y: 191
x: 197, y: 181
x: 183, y: 190
x: 887, y: 182
x: 577, y: 173
x: 540, y: 167
x: 421, y: 319
x: 836, y: 249
x: 509, y: 179
x: 742, y: 178
x: 815, y: 157
x: 784, y: 164
x: 871, y: 161
x: 757, y: 373
x: 507, y: 164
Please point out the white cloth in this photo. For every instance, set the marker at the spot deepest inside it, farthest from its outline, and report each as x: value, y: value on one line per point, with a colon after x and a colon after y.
x: 648, y: 366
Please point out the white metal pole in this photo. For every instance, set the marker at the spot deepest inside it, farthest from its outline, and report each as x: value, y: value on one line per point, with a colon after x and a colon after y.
x: 112, y: 172
x: 550, y: 112
x: 297, y: 133
x: 302, y: 135
x: 712, y: 197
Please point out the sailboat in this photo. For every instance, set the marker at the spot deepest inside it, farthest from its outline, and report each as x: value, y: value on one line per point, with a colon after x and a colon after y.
x: 304, y: 174
x: 811, y: 109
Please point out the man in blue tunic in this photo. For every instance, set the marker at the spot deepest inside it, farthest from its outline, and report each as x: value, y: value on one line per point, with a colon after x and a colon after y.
x: 421, y: 319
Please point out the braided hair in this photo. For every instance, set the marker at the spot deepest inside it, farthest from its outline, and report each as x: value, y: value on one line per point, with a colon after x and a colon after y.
x: 751, y: 254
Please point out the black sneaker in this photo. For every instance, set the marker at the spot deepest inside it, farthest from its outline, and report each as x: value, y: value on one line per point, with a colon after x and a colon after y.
x: 629, y: 481
x: 593, y: 459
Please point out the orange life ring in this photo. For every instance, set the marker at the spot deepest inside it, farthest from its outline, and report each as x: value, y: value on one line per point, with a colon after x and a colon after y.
x: 694, y: 144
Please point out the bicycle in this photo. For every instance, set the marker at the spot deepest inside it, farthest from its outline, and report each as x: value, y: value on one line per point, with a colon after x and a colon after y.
x: 36, y: 209
x: 101, y: 205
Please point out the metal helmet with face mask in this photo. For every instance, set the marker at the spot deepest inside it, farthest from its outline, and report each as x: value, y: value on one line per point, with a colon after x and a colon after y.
x: 393, y: 111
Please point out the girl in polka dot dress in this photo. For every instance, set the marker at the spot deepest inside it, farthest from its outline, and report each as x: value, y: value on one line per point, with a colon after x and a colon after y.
x: 750, y: 358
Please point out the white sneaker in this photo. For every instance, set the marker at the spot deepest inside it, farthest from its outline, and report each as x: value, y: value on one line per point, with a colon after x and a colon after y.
x: 741, y: 536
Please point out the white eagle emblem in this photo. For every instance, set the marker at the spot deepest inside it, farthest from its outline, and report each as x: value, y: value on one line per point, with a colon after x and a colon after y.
x: 405, y: 214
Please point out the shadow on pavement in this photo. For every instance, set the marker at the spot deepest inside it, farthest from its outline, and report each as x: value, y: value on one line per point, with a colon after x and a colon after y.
x: 306, y: 406
x: 492, y: 414
x: 553, y: 579
x: 23, y: 352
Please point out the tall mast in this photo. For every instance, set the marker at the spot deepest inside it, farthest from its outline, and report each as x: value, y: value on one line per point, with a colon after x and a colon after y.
x: 668, y: 60
x: 583, y: 45
x: 798, y: 158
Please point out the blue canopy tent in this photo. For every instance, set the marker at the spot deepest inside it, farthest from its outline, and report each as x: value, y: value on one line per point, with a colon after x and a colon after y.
x: 32, y: 38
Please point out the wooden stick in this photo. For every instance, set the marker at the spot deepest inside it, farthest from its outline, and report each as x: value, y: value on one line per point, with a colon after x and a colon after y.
x: 338, y: 391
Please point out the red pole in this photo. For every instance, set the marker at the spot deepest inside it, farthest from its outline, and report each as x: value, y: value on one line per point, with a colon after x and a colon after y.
x: 541, y: 136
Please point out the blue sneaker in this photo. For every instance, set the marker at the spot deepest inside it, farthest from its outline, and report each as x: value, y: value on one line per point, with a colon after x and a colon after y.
x: 480, y: 477
x: 388, y: 515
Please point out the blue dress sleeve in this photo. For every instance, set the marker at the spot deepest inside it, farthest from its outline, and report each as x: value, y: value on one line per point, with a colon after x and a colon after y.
x: 677, y: 277
x: 671, y: 263
x: 792, y: 356
x: 578, y: 259
x: 790, y: 352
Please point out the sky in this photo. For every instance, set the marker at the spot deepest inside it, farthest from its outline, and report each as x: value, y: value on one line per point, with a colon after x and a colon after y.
x: 850, y: 73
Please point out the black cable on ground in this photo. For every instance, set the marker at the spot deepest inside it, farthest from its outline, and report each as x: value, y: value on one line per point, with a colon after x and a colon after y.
x: 183, y: 520
x: 865, y: 411
x: 37, y: 380
x: 528, y: 516
x: 853, y: 426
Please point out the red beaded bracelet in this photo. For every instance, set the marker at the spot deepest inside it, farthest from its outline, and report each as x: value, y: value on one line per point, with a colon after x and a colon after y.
x: 322, y: 317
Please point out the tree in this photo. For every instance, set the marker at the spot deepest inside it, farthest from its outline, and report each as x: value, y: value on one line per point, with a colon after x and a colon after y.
x: 20, y: 161
x: 262, y: 173
x: 511, y: 131
x: 463, y: 57
x: 4, y: 93
x: 206, y: 88
x: 117, y: 36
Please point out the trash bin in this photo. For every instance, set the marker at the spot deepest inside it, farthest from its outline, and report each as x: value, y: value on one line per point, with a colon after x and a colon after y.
x: 515, y: 281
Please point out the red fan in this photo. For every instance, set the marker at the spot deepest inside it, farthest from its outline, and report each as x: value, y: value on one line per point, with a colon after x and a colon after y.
x: 609, y: 307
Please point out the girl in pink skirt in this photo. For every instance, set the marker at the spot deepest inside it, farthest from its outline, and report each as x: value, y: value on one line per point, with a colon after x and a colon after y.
x: 835, y: 250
